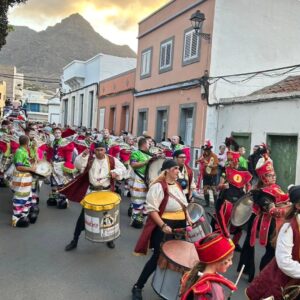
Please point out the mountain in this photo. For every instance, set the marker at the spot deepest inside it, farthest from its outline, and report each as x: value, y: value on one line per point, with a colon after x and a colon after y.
x: 45, y: 53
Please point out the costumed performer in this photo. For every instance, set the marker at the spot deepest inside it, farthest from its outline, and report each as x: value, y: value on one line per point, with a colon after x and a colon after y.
x: 100, y: 171
x: 164, y: 204
x: 204, y: 282
x: 21, y: 186
x: 281, y: 277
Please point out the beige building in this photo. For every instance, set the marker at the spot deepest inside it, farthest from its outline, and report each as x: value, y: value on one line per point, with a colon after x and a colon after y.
x: 116, y: 102
x: 14, y: 82
x: 171, y: 60
x: 2, y: 96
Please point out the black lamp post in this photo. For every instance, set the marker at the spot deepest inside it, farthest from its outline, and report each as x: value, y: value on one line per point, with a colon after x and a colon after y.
x: 197, y: 19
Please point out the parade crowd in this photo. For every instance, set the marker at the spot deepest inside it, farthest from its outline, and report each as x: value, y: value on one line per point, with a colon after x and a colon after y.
x: 189, y: 251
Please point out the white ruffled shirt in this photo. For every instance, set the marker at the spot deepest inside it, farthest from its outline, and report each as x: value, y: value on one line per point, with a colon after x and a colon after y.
x: 99, y: 174
x: 283, y: 253
x: 155, y: 196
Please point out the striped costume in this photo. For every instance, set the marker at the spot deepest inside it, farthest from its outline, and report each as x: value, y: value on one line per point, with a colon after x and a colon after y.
x: 138, y: 188
x: 21, y: 186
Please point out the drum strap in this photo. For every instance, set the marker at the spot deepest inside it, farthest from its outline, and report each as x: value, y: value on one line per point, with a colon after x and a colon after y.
x: 188, y: 218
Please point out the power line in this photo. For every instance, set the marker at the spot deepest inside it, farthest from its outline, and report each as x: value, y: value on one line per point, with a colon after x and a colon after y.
x: 258, y: 74
x: 30, y: 78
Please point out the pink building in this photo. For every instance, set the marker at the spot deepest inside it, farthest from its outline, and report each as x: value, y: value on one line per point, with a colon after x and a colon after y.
x: 116, y: 102
x: 171, y: 60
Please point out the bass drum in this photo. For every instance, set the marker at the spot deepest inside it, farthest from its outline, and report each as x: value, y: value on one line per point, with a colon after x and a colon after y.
x: 153, y: 169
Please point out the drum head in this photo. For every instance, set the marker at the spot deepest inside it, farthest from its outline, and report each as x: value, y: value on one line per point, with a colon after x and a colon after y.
x: 103, y: 200
x: 181, y: 253
x: 43, y: 168
x: 242, y: 210
x: 153, y: 169
x: 195, y: 211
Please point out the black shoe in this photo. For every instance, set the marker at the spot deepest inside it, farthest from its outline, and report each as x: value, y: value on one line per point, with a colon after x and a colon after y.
x: 136, y: 293
x: 129, y: 211
x: 71, y: 246
x: 51, y: 202
x: 111, y: 244
x: 62, y: 204
x: 23, y: 222
x: 136, y: 224
x: 32, y: 217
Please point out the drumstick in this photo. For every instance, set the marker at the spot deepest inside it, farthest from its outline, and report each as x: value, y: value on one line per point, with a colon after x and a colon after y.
x: 237, y: 281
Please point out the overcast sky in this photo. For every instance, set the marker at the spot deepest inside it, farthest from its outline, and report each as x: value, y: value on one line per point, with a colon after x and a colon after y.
x: 115, y: 20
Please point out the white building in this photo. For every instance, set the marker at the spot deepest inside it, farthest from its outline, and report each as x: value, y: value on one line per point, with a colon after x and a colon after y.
x: 36, y: 104
x: 54, y: 110
x: 80, y: 83
x: 249, y: 36
x: 271, y: 116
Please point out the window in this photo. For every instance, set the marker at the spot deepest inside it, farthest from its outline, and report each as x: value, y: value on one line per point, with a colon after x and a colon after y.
x: 91, y: 107
x: 73, y: 111
x: 161, y: 124
x: 142, y: 121
x: 81, y: 110
x: 166, y: 55
x: 146, y: 63
x: 191, y: 47
x: 101, y: 118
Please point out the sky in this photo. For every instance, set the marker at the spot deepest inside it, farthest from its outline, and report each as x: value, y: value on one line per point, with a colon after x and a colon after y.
x: 115, y: 20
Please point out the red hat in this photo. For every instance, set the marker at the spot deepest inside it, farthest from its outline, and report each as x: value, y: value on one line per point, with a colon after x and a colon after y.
x: 264, y: 167
x: 232, y: 155
x: 215, y: 249
x: 207, y: 145
x: 68, y: 132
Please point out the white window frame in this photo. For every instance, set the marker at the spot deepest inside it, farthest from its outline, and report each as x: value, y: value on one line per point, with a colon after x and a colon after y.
x: 163, y: 55
x: 194, y: 38
x: 146, y: 62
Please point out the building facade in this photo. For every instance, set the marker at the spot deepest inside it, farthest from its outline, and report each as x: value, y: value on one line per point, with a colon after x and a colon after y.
x: 14, y: 82
x: 36, y: 103
x: 270, y: 116
x: 80, y: 83
x: 116, y: 103
x: 250, y: 36
x: 2, y: 96
x: 54, y: 110
x: 171, y: 59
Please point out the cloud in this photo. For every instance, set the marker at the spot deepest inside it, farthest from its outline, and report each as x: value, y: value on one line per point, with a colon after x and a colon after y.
x: 127, y: 13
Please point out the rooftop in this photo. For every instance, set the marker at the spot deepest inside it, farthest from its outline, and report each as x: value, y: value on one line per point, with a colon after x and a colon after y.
x: 288, y: 85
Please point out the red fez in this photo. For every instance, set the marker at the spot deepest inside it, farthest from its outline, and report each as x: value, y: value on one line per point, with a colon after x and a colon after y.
x: 214, y: 250
x: 266, y: 168
x: 232, y: 155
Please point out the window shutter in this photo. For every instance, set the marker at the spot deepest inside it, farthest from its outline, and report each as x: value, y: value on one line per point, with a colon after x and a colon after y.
x: 168, y: 54
x: 187, y: 45
x: 194, y: 48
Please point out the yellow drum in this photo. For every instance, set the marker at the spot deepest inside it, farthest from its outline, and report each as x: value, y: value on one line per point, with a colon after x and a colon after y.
x: 102, y: 216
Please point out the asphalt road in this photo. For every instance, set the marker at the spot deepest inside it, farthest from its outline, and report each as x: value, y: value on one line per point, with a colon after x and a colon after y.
x: 35, y: 266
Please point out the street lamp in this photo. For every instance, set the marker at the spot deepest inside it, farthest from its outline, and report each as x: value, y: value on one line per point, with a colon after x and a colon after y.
x: 197, y: 19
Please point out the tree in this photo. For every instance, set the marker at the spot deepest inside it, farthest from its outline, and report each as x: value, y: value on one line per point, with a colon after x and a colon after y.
x: 4, y: 27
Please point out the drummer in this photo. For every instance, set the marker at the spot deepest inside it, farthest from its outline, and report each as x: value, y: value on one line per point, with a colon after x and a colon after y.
x: 103, y: 171
x: 33, y: 156
x: 204, y: 281
x: 233, y: 185
x: 185, y: 175
x: 285, y: 268
x: 269, y: 208
x: 164, y: 204
x: 21, y: 185
x: 138, y: 189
